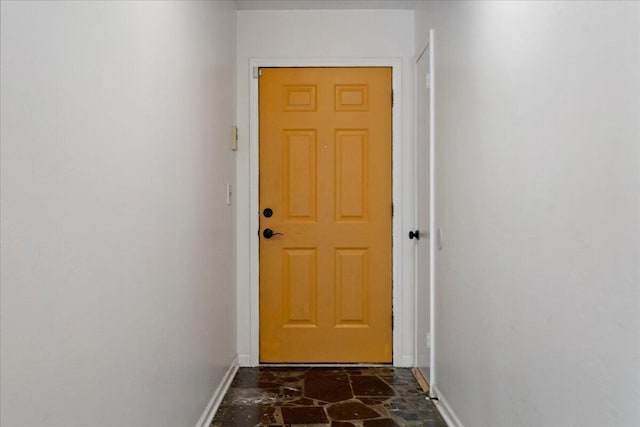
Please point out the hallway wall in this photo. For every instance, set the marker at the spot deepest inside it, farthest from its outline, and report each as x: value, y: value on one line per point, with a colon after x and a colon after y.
x: 324, y: 34
x: 118, y: 259
x: 538, y: 187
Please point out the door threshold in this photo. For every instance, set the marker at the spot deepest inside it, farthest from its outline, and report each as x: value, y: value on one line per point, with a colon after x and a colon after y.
x: 325, y: 365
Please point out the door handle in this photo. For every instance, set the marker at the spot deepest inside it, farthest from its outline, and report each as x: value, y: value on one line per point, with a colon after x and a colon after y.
x: 414, y: 234
x: 268, y: 233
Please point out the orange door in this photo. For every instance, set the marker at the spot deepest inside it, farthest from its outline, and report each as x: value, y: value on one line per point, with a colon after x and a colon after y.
x: 325, y: 185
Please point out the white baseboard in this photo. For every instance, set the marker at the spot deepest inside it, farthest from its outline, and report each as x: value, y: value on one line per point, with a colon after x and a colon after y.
x: 445, y: 410
x: 244, y: 360
x: 405, y: 361
x: 218, y: 395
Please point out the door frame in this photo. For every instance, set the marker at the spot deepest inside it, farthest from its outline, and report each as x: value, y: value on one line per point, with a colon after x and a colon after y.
x: 432, y: 213
x: 396, y: 153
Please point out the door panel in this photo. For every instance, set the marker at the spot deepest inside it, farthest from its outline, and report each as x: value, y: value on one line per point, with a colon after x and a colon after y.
x: 325, y: 172
x: 352, y: 287
x: 300, y: 174
x: 351, y: 175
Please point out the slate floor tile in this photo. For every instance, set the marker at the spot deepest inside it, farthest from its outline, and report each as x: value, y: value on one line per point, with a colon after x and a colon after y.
x: 383, y: 422
x: 326, y: 397
x: 370, y: 385
x: 244, y: 416
x: 330, y: 388
x: 304, y: 415
x: 351, y: 410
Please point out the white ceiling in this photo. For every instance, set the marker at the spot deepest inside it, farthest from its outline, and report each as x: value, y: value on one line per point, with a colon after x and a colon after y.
x: 326, y: 4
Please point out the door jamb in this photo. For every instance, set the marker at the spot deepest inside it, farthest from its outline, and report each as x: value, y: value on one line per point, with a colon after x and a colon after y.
x: 432, y: 213
x: 254, y: 244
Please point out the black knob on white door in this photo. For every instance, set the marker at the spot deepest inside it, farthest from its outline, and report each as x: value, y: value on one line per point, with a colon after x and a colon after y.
x: 414, y: 234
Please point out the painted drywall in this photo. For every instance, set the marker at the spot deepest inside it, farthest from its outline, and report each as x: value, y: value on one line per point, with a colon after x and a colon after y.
x: 324, y: 34
x: 537, y: 192
x: 118, y: 259
x: 323, y: 4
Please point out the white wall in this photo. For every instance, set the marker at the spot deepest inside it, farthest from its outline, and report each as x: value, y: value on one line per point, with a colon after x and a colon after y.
x: 323, y: 34
x: 538, y: 187
x: 116, y: 268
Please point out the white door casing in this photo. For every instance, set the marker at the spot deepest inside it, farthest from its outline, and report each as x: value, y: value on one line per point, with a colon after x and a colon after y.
x: 402, y: 332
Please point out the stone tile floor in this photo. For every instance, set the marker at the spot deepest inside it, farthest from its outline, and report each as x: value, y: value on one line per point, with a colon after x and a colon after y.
x: 326, y: 397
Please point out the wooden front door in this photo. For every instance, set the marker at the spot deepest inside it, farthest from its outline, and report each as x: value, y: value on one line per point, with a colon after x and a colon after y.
x: 325, y: 215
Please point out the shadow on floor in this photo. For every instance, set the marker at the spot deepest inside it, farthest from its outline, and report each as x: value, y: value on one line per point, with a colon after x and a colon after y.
x: 323, y: 397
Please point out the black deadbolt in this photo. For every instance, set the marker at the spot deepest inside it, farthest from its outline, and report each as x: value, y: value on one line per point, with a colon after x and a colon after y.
x: 414, y: 234
x: 267, y: 212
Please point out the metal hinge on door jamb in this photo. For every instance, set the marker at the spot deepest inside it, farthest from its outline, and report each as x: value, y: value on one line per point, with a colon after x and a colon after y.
x: 428, y: 81
x: 257, y: 72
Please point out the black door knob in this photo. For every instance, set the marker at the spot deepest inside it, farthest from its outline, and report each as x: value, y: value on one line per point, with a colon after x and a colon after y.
x: 268, y: 233
x: 414, y: 234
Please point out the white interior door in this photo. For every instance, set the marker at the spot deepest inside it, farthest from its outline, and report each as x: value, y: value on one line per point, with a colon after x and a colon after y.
x: 423, y: 215
x: 424, y: 219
